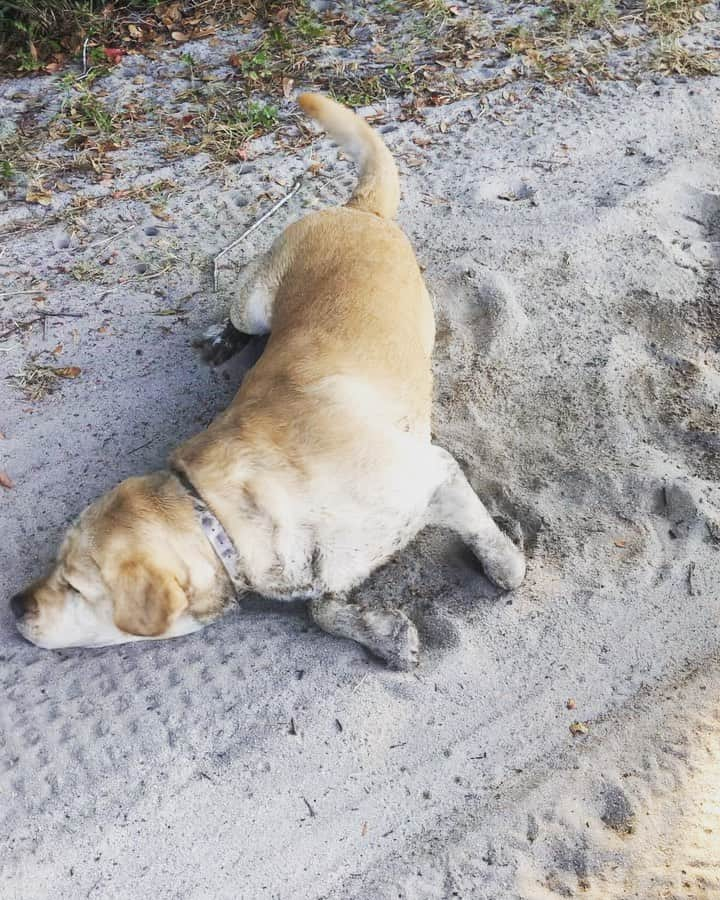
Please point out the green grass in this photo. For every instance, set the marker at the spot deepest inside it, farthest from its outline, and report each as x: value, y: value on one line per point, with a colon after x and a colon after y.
x: 32, y: 31
x: 577, y: 14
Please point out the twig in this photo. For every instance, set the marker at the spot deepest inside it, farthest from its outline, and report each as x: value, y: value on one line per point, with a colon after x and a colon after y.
x: 84, y: 56
x: 310, y: 809
x: 18, y: 293
x: 359, y: 682
x: 112, y: 237
x: 266, y: 215
x: 142, y: 446
x: 42, y: 316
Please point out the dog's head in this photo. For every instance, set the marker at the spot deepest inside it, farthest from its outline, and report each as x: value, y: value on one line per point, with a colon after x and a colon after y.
x: 133, y: 566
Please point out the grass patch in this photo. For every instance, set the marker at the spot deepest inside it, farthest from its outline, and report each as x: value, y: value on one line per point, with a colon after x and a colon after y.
x: 671, y: 58
x: 574, y: 15
x: 34, y: 32
x: 225, y: 125
x: 670, y: 16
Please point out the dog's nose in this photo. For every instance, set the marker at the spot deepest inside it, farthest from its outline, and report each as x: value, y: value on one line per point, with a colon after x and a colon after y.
x: 19, y: 605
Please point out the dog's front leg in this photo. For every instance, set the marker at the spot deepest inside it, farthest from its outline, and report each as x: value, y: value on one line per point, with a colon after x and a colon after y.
x: 387, y: 633
x: 455, y: 505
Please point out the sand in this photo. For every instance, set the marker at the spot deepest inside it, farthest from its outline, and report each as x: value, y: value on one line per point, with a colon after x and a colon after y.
x: 571, y: 244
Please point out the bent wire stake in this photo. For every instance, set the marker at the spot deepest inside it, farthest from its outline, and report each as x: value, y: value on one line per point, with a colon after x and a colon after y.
x: 266, y: 215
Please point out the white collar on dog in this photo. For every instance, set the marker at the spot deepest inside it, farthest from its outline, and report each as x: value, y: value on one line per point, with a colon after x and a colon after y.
x: 217, y: 537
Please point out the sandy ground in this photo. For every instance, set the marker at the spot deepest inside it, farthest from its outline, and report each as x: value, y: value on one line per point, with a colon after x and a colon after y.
x: 572, y: 245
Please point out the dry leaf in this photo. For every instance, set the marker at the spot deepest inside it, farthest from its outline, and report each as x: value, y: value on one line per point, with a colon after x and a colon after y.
x: 619, y: 543
x: 179, y: 36
x: 160, y: 213
x: 287, y: 86
x: 578, y: 728
x: 67, y: 371
x: 570, y: 703
x: 113, y: 54
x: 5, y: 480
x: 135, y: 31
x: 37, y: 194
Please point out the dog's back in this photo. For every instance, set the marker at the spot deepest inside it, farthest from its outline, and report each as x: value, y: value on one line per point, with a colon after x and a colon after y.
x: 351, y: 300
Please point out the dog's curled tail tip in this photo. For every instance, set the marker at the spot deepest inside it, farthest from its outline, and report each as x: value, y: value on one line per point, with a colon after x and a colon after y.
x: 378, y: 189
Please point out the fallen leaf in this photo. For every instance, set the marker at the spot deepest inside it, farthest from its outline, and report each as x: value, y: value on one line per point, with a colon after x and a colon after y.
x: 578, y: 728
x: 160, y: 213
x: 38, y: 194
x: 570, y: 704
x: 287, y: 86
x: 57, y: 350
x: 67, y: 371
x: 6, y: 480
x: 113, y: 54
x: 179, y: 36
x: 135, y: 31
x: 619, y: 543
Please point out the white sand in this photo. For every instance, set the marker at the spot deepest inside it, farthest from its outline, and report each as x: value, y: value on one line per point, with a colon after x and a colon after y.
x: 577, y: 380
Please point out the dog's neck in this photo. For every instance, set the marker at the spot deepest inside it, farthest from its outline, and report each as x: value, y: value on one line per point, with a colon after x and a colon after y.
x: 215, y: 532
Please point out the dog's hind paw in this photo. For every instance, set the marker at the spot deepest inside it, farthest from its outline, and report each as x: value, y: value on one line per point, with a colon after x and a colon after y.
x: 220, y: 342
x: 392, y: 637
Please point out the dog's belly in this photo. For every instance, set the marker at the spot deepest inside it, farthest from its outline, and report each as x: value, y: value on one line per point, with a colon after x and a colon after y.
x: 352, y: 524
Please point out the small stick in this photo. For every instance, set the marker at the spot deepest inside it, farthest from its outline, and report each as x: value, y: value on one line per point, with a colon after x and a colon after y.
x: 112, y: 237
x: 84, y: 56
x: 274, y: 208
x: 18, y: 293
x: 359, y: 683
x: 310, y: 809
x: 142, y: 446
x: 41, y: 317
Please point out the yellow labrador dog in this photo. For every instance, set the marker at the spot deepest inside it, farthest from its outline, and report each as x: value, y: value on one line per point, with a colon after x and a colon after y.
x: 319, y: 471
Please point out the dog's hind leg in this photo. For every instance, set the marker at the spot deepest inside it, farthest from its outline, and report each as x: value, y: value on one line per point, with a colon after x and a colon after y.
x: 455, y: 505
x: 388, y: 633
x: 250, y: 309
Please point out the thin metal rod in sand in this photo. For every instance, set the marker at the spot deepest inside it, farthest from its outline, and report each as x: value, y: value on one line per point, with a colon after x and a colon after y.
x: 266, y: 215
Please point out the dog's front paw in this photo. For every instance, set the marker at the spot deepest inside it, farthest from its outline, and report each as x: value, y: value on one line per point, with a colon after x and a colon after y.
x: 220, y: 342
x: 506, y: 565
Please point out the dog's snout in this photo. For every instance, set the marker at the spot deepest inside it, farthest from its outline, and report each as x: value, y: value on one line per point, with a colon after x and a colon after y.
x: 21, y: 605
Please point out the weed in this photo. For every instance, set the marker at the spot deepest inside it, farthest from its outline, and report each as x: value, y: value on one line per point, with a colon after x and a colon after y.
x: 574, y: 15
x: 7, y: 170
x: 309, y: 27
x: 671, y: 58
x: 669, y: 16
x: 226, y: 125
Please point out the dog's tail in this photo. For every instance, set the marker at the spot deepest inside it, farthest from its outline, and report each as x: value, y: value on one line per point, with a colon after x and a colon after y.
x: 378, y: 190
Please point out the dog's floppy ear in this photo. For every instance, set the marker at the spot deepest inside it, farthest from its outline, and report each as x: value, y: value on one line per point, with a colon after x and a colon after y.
x: 146, y: 599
